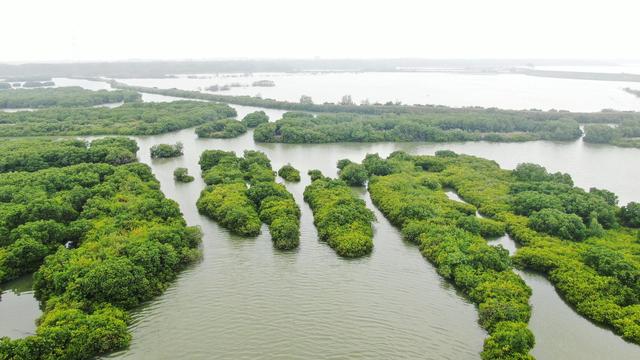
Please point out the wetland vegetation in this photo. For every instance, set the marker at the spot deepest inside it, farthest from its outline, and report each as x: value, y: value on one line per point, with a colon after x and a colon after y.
x: 342, y: 219
x: 100, y: 238
x: 73, y: 96
x: 128, y: 119
x: 242, y: 193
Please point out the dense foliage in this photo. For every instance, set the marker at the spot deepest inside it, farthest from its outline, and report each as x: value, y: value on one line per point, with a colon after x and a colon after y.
x: 289, y: 173
x: 595, y: 270
x: 342, y: 219
x: 255, y: 118
x: 128, y: 241
x: 626, y: 133
x: 182, y: 175
x: 128, y: 119
x: 166, y: 150
x: 450, y: 236
x: 221, y: 129
x: 438, y: 127
x: 353, y: 174
x: 630, y: 215
x: 63, y: 96
x: 240, y: 209
x: 36, y: 154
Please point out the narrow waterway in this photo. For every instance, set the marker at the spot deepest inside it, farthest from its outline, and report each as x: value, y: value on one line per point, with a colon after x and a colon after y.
x: 18, y: 308
x: 247, y: 300
x: 561, y: 333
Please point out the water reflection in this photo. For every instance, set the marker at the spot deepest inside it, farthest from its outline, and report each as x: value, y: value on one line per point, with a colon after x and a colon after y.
x: 18, y: 308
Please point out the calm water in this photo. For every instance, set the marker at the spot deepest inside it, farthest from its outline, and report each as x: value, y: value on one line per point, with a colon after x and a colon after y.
x: 508, y: 91
x: 247, y: 300
x: 560, y: 332
x: 18, y: 308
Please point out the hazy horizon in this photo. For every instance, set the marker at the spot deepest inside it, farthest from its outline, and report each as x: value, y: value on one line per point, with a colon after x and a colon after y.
x: 81, y: 31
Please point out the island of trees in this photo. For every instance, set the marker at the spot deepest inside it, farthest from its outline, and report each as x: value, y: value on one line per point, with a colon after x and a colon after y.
x: 342, y: 219
x: 255, y: 118
x: 289, y: 173
x: 63, y: 97
x: 221, y: 129
x: 437, y: 127
x: 125, y: 242
x: 626, y: 134
x: 242, y: 210
x: 166, y: 150
x: 128, y: 119
x: 433, y: 123
x: 182, y: 175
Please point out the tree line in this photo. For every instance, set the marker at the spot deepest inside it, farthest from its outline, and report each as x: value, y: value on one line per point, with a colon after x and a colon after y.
x: 606, y: 116
x: 625, y: 134
x: 221, y: 129
x: 63, y: 97
x: 128, y: 119
x: 41, y: 153
x: 437, y: 127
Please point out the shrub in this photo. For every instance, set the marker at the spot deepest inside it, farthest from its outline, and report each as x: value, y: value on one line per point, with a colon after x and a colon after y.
x: 166, y: 150
x: 630, y: 214
x: 289, y: 173
x: 182, y: 175
x: 221, y: 129
x: 555, y: 222
x: 255, y: 118
x: 354, y: 174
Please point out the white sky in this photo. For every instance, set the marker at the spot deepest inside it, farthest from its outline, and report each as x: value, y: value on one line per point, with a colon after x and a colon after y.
x: 84, y: 30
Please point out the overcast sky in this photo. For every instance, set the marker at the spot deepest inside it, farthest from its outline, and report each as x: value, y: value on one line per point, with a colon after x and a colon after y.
x: 84, y: 30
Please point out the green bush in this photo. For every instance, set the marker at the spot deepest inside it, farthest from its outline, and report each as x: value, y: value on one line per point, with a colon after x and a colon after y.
x: 166, y: 150
x: 221, y: 129
x: 182, y: 175
x: 555, y: 222
x: 255, y: 118
x: 128, y: 119
x: 289, y: 173
x: 354, y: 174
x: 630, y: 215
x: 64, y: 97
